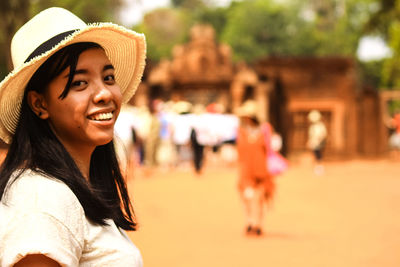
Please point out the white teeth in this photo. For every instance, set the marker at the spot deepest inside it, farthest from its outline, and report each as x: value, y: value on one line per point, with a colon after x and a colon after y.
x: 102, y: 116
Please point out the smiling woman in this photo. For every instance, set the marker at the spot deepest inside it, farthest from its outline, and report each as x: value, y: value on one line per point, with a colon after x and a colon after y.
x: 64, y: 201
x: 80, y: 106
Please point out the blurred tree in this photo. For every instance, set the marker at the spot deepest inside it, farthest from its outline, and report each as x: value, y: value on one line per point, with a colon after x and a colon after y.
x: 217, y: 17
x: 340, y: 27
x: 15, y: 13
x: 164, y: 28
x: 370, y: 73
x: 391, y: 66
x: 88, y: 11
x: 188, y: 4
x: 257, y: 28
x: 383, y: 13
x: 385, y: 22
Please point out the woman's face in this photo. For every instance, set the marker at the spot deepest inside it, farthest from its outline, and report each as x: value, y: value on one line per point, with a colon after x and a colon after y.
x: 86, y: 116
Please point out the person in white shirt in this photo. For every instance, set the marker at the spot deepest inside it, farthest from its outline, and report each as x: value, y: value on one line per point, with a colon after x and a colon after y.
x: 64, y: 201
x: 317, y: 134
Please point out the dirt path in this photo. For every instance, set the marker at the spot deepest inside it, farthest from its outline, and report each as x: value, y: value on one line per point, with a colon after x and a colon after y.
x: 348, y: 217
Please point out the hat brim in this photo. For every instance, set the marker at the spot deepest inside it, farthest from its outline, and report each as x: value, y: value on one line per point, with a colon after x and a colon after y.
x: 248, y: 109
x: 125, y: 49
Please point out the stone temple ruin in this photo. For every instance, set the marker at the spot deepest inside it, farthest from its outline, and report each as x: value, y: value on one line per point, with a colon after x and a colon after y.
x: 286, y: 89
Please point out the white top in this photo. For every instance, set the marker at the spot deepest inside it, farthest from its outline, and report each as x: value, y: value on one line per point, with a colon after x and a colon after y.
x: 181, y: 125
x: 40, y: 215
x: 316, y: 135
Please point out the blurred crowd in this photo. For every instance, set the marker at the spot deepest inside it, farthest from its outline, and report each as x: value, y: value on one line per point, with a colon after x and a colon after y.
x: 174, y: 134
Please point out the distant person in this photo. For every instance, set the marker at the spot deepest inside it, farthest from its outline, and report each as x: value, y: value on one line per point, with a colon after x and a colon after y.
x: 196, y: 135
x: 153, y: 138
x: 123, y: 141
x: 166, y: 155
x: 64, y: 201
x: 255, y: 184
x: 394, y: 139
x: 198, y: 151
x: 316, y: 142
x: 181, y: 126
x: 137, y: 148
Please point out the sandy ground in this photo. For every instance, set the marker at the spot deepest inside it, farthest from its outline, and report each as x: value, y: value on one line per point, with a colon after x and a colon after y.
x: 350, y: 216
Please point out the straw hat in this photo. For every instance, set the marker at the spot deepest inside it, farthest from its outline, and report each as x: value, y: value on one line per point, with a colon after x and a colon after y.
x: 314, y: 116
x: 48, y: 32
x: 182, y: 107
x: 248, y: 109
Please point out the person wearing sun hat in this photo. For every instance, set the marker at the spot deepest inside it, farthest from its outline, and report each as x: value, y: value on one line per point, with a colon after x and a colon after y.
x: 317, y: 134
x: 64, y: 201
x: 255, y: 184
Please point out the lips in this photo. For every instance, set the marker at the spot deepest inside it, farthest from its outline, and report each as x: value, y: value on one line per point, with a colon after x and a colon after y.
x: 106, y: 116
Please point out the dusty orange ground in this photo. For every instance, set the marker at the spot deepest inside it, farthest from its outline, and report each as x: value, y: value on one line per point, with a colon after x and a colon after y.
x: 348, y: 217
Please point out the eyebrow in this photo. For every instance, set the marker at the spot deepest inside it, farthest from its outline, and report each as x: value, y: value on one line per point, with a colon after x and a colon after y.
x: 108, y: 67
x: 84, y: 71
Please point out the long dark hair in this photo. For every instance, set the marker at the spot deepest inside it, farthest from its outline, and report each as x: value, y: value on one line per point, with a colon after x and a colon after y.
x: 34, y: 146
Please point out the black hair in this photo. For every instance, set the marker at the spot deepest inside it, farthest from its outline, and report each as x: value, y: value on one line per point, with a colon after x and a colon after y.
x: 34, y: 146
x: 255, y: 120
x: 252, y: 119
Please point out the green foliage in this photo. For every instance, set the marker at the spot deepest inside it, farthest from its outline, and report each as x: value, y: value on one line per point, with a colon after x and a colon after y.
x: 391, y: 68
x: 167, y: 27
x: 188, y: 4
x: 389, y: 16
x: 258, y: 28
x: 370, y: 73
x: 217, y: 17
x: 394, y: 106
x: 383, y: 12
x: 255, y: 29
x: 15, y: 13
x: 163, y: 29
x: 88, y: 11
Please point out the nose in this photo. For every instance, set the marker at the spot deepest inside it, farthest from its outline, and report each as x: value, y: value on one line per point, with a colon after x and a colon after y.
x: 102, y: 94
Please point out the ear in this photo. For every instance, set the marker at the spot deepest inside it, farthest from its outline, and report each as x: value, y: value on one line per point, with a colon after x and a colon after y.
x: 37, y: 103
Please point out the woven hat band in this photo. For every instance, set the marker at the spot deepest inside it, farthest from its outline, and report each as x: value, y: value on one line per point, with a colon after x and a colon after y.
x: 48, y: 45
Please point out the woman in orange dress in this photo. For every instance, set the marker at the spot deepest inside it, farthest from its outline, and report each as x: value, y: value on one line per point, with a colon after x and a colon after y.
x: 255, y: 184
x: 394, y: 139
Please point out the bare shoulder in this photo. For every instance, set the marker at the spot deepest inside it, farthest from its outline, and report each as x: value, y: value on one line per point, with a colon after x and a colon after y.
x: 34, y: 260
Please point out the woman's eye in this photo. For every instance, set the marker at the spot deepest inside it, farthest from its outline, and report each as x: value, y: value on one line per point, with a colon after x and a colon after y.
x: 78, y: 83
x: 109, y: 78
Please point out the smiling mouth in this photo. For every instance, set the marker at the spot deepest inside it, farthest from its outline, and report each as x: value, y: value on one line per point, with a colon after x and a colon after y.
x: 101, y: 116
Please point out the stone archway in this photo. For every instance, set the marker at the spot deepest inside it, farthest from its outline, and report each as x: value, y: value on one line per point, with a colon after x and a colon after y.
x: 333, y: 114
